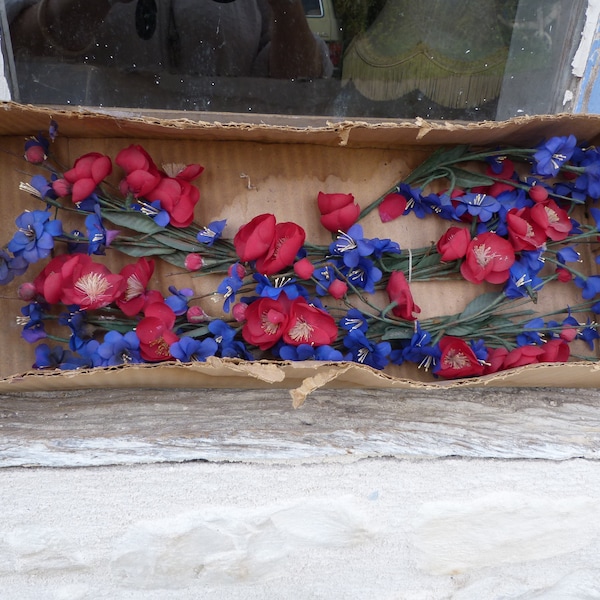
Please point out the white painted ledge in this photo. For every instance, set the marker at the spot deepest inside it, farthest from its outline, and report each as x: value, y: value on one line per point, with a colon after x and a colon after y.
x: 144, y: 426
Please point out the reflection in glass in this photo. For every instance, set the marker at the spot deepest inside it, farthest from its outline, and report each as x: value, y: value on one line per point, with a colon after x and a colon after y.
x: 362, y: 58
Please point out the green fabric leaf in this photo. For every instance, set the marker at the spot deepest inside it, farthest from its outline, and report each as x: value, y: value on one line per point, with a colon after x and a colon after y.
x: 467, y: 179
x: 479, y: 304
x: 398, y: 333
x: 176, y: 243
x: 134, y: 220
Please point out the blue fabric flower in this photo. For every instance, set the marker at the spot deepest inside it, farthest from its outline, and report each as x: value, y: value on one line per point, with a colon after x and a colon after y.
x: 354, y: 319
x: 34, y: 329
x: 11, y: 267
x: 351, y: 246
x: 229, y: 287
x: 532, y: 333
x: 324, y: 276
x: 482, y: 206
x: 119, y: 349
x: 414, y: 201
x: 57, y: 358
x: 385, y: 246
x: 178, y: 300
x: 34, y: 239
x: 155, y: 211
x: 589, y: 285
x: 523, y: 281
x: 188, y: 349
x: 553, y: 154
x: 364, y: 275
x: 366, y: 352
x: 272, y: 289
x: 210, y: 234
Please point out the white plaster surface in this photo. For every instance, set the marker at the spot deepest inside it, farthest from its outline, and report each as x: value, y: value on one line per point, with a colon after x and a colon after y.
x: 465, y: 529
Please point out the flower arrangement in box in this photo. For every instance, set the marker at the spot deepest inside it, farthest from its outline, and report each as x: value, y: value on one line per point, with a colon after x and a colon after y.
x: 512, y: 224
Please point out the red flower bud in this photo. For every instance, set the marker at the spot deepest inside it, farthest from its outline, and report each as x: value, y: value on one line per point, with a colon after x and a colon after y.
x: 193, y: 262
x: 453, y: 244
x: 337, y: 289
x: 338, y: 211
x: 399, y: 291
x: 27, y: 291
x: 239, y: 311
x: 304, y: 268
x: 195, y: 314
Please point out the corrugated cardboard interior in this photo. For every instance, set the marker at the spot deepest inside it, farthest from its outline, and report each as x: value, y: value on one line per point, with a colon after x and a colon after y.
x: 256, y: 168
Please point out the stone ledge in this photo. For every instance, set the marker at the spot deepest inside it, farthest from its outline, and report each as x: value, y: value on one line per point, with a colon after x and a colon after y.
x: 93, y: 428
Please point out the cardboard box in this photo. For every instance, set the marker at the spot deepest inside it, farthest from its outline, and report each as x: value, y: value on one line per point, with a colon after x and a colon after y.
x: 254, y: 168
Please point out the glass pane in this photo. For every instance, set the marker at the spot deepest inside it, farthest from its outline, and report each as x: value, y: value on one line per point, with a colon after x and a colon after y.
x: 437, y: 59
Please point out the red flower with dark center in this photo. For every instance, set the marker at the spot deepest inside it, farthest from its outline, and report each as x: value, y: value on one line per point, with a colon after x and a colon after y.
x: 87, y: 172
x: 523, y: 232
x: 136, y: 278
x: 457, y: 359
x: 489, y: 258
x: 90, y: 285
x: 453, y: 244
x: 399, y: 291
x: 552, y: 219
x: 338, y: 211
x: 287, y: 242
x: 308, y: 324
x: 155, y: 332
x: 254, y: 239
x: 392, y: 206
x: 266, y: 320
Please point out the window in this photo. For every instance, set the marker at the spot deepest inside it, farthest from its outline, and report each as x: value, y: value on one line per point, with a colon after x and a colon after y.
x: 436, y: 59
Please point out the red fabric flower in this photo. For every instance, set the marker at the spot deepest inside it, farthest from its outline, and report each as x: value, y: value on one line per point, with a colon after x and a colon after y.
x: 489, y: 258
x: 523, y: 355
x: 178, y: 197
x: 308, y: 324
x: 399, y: 291
x: 155, y: 332
x: 523, y: 232
x: 392, y: 206
x: 457, y: 359
x: 266, y: 320
x: 87, y: 172
x: 338, y: 211
x: 142, y: 175
x: 136, y: 278
x: 88, y: 284
x: 552, y: 219
x: 555, y: 350
x: 254, y: 239
x: 284, y: 248
x: 49, y: 282
x: 495, y: 360
x: 453, y: 244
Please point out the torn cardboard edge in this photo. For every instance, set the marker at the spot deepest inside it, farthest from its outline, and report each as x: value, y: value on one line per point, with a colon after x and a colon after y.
x: 299, y: 378
x: 26, y: 120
